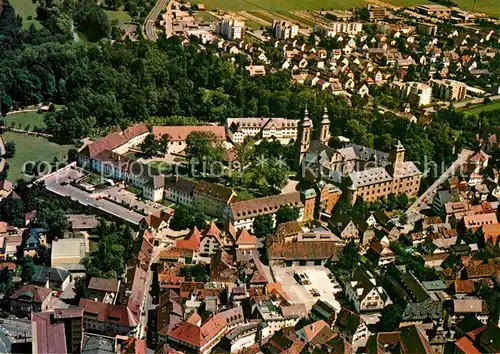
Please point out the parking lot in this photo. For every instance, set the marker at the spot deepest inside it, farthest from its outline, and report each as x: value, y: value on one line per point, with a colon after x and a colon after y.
x: 320, y: 285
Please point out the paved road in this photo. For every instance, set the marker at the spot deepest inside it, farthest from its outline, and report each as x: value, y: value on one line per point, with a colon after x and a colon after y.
x: 149, y: 25
x: 57, y: 184
x: 413, y: 211
x: 10, y: 329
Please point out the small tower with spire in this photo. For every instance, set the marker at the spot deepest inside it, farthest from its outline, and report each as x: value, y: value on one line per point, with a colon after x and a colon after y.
x: 305, y: 130
x: 325, y: 128
x: 397, y: 157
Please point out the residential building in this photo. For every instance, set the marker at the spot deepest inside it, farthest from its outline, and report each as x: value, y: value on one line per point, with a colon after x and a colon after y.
x: 30, y: 298
x: 426, y: 28
x: 285, y: 29
x: 323, y: 310
x: 53, y: 278
x: 241, y: 337
x: 32, y: 239
x: 243, y: 213
x: 335, y: 28
x: 72, y: 319
x: 210, y: 240
x: 107, y: 319
x: 48, y: 337
x: 351, y: 326
x: 316, y: 335
x: 103, y: 290
x: 177, y: 135
x: 450, y: 90
x: 365, y: 293
x: 272, y: 318
x: 256, y: 70
x: 282, y: 129
x: 231, y: 28
x: 416, y: 93
x: 377, y: 13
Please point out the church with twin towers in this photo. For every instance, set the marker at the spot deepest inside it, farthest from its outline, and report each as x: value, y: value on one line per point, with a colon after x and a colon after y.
x: 360, y: 171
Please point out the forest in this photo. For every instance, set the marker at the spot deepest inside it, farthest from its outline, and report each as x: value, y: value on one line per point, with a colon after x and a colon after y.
x: 108, y: 81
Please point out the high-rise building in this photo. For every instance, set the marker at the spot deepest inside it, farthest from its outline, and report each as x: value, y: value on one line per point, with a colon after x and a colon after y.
x: 339, y: 27
x: 231, y: 28
x: 285, y: 29
x: 450, y: 90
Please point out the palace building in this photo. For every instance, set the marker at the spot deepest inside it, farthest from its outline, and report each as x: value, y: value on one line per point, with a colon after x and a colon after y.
x: 361, y: 171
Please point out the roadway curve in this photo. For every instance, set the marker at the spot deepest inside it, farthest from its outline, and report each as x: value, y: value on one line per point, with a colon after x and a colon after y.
x: 149, y: 25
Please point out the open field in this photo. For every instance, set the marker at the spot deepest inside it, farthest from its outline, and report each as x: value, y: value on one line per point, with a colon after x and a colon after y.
x: 487, y: 6
x: 26, y: 8
x: 120, y: 15
x: 31, y: 148
x: 485, y: 107
x: 25, y: 118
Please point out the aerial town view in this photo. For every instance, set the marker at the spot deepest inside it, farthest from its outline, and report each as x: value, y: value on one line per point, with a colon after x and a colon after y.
x: 250, y: 176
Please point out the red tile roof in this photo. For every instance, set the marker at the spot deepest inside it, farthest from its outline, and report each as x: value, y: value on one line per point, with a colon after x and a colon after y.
x: 109, y: 142
x: 303, y: 250
x: 180, y: 133
x: 245, y: 239
x: 109, y: 313
x: 491, y: 233
x: 38, y: 293
x: 135, y: 130
x: 466, y: 347
x: 261, y: 206
x: 47, y: 337
x: 192, y: 242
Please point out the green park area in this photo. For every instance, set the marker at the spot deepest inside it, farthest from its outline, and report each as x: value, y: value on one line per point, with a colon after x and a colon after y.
x: 31, y: 148
x: 27, y: 10
x: 24, y: 119
x: 484, y: 107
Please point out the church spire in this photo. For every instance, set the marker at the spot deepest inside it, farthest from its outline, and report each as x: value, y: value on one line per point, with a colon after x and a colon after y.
x: 305, y: 129
x: 324, y: 132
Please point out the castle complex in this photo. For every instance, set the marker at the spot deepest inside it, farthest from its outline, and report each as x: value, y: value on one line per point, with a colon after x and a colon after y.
x: 363, y: 172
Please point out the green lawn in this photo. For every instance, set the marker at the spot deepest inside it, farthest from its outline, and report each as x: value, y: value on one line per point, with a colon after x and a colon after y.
x: 25, y: 118
x: 31, y: 148
x: 121, y: 16
x: 205, y: 16
x: 485, y: 107
x: 26, y: 8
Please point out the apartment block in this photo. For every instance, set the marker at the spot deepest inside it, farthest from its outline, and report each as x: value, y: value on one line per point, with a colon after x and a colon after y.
x: 339, y: 27
x: 285, y: 29
x: 450, y: 90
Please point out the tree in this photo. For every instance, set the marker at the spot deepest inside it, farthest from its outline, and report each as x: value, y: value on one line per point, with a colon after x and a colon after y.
x: 349, y: 258
x: 164, y: 141
x: 185, y: 218
x: 204, y: 147
x: 287, y: 213
x: 12, y: 211
x: 43, y: 255
x: 150, y: 146
x: 391, y: 317
x: 72, y: 155
x: 81, y: 287
x: 114, y: 4
x: 93, y: 21
x: 28, y: 269
x: 6, y: 281
x: 10, y: 149
x: 263, y: 225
